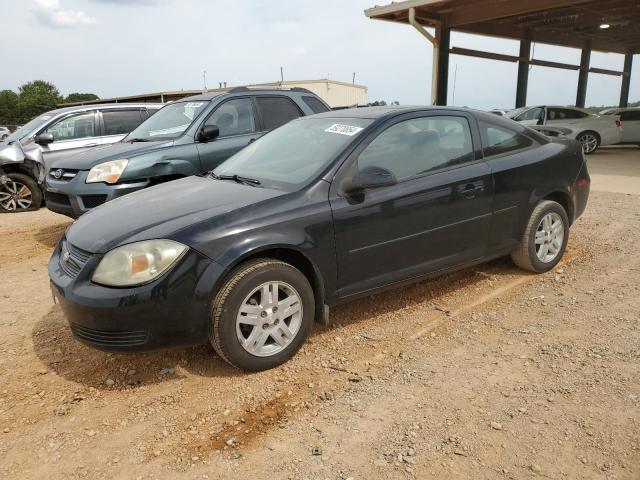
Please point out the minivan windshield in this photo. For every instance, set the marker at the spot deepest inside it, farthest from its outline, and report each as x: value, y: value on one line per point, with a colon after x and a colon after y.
x: 293, y: 154
x: 168, y: 123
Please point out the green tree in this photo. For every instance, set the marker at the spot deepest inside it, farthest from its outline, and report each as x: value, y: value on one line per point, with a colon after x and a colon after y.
x: 37, y: 97
x: 81, y: 97
x: 9, y: 114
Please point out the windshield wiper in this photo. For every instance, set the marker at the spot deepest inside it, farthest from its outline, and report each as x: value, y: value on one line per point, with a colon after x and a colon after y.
x: 139, y: 140
x: 237, y: 178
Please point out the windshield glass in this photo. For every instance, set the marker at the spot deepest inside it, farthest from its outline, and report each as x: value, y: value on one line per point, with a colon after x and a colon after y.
x: 27, y: 128
x: 292, y: 154
x: 169, y: 122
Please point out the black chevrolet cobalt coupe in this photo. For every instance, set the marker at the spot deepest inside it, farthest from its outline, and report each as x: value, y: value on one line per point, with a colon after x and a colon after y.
x: 323, y: 210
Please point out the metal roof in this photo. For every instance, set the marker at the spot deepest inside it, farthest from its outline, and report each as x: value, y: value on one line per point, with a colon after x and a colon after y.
x: 558, y: 22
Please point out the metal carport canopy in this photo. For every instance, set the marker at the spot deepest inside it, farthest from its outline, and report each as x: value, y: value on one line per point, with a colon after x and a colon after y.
x: 575, y: 23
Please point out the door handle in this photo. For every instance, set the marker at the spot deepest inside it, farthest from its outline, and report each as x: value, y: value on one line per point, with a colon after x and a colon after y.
x: 470, y: 190
x: 92, y: 145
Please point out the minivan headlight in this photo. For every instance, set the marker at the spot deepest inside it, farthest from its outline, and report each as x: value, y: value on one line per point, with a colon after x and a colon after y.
x: 137, y: 263
x: 108, y: 172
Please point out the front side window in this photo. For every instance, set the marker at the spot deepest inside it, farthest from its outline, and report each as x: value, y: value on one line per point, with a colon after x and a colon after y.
x: 531, y: 114
x: 293, y: 154
x: 499, y: 140
x: 120, y: 122
x: 420, y: 145
x: 170, y: 122
x: 73, y: 128
x: 276, y: 111
x: 234, y: 117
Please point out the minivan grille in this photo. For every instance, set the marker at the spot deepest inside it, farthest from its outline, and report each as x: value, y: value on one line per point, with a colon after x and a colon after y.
x: 75, y: 261
x: 63, y: 174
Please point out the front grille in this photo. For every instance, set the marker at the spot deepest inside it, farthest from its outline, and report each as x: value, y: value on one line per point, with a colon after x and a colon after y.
x: 57, y: 198
x: 63, y: 174
x: 76, y: 260
x: 92, y: 201
x: 111, y: 338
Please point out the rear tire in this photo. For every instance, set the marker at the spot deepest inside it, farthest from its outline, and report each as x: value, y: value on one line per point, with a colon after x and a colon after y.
x: 262, y: 315
x: 545, y: 238
x: 20, y: 194
x: 590, y: 141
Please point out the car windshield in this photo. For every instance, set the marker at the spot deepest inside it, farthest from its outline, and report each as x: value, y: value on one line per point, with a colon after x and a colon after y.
x: 169, y: 122
x: 27, y: 128
x: 293, y: 154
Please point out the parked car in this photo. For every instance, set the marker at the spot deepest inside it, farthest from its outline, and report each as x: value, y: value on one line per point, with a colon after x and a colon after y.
x: 186, y: 137
x: 589, y: 129
x: 325, y: 209
x: 630, y: 120
x: 58, y: 134
x: 4, y: 133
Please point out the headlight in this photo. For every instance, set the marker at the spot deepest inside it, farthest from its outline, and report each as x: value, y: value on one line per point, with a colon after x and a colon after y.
x: 137, y: 263
x: 108, y: 172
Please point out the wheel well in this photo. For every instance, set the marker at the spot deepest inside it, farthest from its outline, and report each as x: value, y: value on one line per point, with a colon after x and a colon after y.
x: 563, y: 199
x: 597, y: 135
x: 302, y: 263
x: 18, y: 168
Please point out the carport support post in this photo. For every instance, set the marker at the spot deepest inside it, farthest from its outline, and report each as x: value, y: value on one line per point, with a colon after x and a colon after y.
x: 523, y: 73
x: 583, y: 77
x: 626, y: 80
x: 443, y: 34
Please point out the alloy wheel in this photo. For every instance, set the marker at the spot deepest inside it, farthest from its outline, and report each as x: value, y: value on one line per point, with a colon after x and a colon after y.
x: 549, y: 237
x: 269, y: 318
x: 15, y: 196
x: 589, y: 142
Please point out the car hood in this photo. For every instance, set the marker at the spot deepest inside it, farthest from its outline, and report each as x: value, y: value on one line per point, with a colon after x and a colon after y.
x: 162, y: 211
x: 113, y: 151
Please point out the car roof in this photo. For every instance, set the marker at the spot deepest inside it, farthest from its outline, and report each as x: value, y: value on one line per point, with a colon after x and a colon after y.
x: 389, y: 110
x: 100, y: 106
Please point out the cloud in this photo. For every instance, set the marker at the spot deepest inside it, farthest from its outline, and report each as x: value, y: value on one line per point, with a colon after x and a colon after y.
x: 51, y: 14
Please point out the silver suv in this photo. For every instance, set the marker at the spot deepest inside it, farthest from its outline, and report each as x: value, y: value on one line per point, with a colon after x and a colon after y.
x: 59, y: 134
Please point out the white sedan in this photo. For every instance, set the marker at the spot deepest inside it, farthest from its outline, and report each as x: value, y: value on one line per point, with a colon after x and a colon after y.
x: 589, y: 129
x: 630, y: 119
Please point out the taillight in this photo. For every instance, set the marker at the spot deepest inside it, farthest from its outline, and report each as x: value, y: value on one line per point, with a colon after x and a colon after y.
x: 618, y: 124
x: 583, y: 182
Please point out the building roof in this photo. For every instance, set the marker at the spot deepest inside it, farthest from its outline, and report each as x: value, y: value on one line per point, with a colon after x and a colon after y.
x: 558, y: 22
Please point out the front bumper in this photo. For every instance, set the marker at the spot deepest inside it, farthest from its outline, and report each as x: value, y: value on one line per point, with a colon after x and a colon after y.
x: 171, y: 311
x: 74, y: 197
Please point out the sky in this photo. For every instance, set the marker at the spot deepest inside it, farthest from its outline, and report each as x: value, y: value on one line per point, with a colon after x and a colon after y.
x: 127, y: 47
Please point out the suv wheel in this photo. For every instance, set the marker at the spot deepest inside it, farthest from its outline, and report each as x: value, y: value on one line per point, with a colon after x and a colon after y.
x: 20, y: 193
x: 262, y: 315
x: 545, y: 238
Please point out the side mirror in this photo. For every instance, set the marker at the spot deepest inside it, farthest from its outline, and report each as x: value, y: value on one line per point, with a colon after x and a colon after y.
x: 208, y: 132
x: 370, y: 177
x: 44, y: 138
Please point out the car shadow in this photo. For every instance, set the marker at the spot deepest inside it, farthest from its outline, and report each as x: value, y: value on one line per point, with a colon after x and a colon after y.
x: 60, y: 352
x: 50, y: 236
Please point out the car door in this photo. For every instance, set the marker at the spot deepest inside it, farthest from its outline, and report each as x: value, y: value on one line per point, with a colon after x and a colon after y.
x: 532, y: 116
x: 437, y: 215
x: 71, y: 134
x: 630, y: 120
x: 236, y: 120
x: 118, y: 123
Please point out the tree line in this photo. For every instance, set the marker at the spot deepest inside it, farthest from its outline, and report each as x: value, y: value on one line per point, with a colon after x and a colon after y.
x: 33, y: 99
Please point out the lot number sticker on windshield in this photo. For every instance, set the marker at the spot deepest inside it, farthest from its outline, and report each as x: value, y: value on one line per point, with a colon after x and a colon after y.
x: 343, y: 129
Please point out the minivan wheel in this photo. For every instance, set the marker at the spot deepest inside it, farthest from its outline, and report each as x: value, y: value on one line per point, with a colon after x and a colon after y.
x: 20, y: 194
x: 262, y: 315
x: 545, y: 238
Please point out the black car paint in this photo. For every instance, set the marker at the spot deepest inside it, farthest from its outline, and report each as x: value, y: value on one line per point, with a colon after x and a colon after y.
x: 349, y: 245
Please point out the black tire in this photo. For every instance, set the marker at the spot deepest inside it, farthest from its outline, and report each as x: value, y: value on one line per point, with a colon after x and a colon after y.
x: 580, y: 138
x: 226, y: 305
x: 526, y: 255
x: 29, y: 183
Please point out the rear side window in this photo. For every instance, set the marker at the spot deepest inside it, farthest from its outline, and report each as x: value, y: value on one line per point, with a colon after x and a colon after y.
x: 499, y: 140
x: 565, y: 114
x: 630, y: 115
x: 315, y: 105
x: 420, y: 145
x: 276, y: 111
x: 120, y: 122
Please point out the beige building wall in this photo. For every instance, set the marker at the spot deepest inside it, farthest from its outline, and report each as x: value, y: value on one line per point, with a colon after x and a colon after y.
x: 336, y: 94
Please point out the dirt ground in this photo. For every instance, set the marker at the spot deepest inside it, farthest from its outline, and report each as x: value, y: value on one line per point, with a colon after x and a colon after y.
x: 486, y: 373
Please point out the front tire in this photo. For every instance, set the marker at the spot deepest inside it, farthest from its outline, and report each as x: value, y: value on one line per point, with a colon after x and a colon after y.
x: 21, y: 193
x: 262, y: 315
x: 545, y: 238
